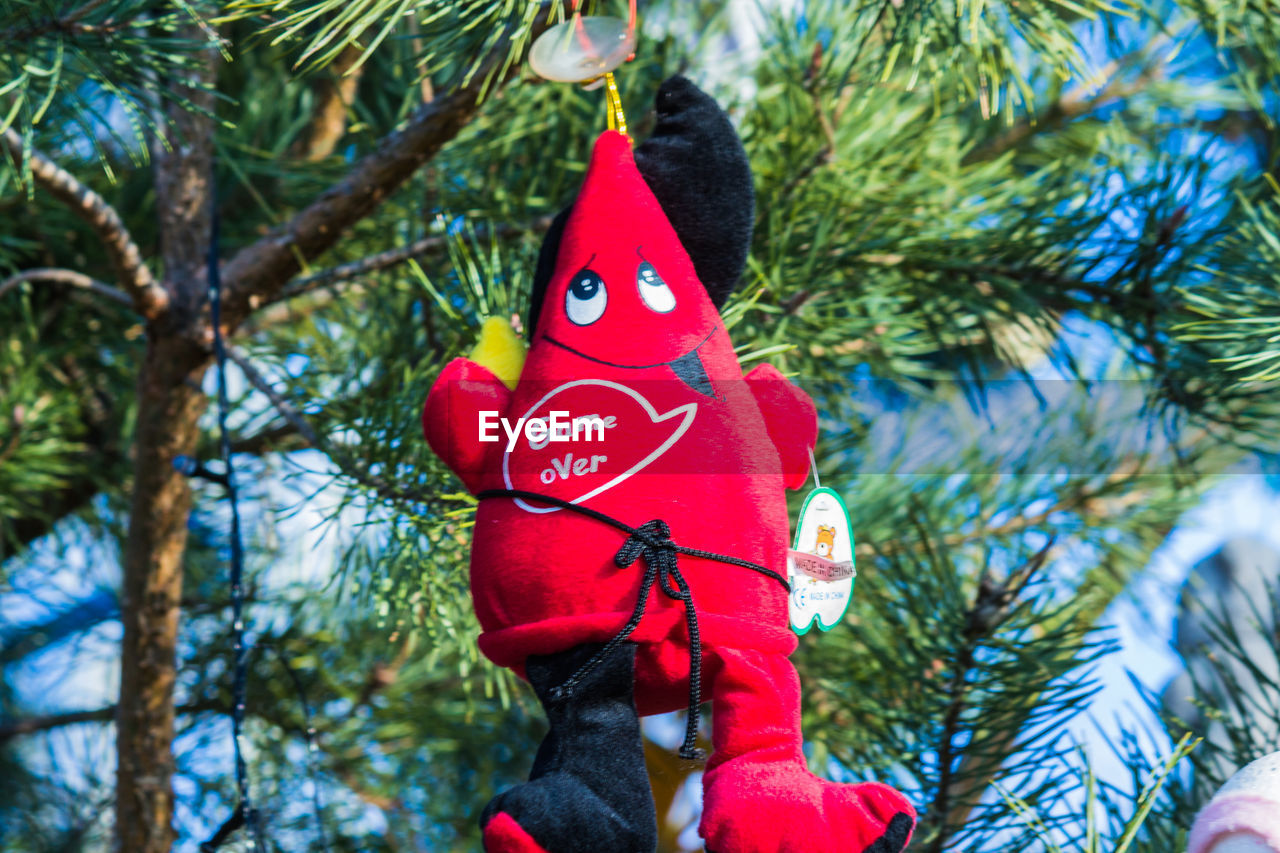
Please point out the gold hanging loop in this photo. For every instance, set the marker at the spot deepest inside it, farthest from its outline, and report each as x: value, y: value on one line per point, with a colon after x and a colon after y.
x: 613, y: 104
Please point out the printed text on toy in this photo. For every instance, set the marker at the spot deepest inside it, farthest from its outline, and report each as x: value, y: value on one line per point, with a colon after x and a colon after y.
x: 542, y: 431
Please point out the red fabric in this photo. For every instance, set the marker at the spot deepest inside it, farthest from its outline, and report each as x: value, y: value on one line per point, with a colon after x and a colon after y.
x: 713, y: 466
x: 504, y: 835
x: 759, y: 796
x: 461, y: 391
x: 779, y: 404
x: 710, y: 466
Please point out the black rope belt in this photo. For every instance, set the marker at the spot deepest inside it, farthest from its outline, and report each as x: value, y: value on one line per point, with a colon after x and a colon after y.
x: 652, y: 541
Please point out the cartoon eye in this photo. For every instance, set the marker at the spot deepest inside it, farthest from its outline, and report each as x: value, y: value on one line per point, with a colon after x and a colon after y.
x: 653, y: 290
x: 585, y: 301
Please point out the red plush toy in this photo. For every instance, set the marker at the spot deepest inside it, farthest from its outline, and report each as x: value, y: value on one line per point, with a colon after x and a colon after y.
x: 632, y: 529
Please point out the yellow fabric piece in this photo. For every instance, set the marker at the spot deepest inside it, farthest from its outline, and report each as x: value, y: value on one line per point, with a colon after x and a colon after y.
x: 501, y: 350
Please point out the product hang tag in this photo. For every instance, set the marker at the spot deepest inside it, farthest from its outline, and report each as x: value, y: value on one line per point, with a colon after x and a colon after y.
x: 820, y: 563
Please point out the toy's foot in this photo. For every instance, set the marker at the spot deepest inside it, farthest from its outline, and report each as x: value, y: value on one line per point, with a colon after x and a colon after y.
x: 559, y: 813
x: 588, y: 791
x: 783, y: 808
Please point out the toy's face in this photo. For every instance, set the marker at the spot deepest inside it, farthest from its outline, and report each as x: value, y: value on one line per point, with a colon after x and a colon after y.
x: 624, y: 292
x: 618, y: 307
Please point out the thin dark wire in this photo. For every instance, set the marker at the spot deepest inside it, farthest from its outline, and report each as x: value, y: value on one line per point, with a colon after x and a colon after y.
x: 240, y: 651
x: 310, y: 734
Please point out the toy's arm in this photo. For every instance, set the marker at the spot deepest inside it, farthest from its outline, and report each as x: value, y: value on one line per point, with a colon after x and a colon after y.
x: 451, y: 417
x: 465, y: 389
x: 791, y: 419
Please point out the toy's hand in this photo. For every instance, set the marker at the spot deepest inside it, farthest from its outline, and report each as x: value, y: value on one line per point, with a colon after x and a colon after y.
x: 501, y: 350
x: 451, y: 416
x: 791, y: 419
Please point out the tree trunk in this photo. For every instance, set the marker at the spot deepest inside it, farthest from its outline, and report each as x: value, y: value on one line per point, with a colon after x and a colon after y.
x: 170, y: 402
x: 168, y: 409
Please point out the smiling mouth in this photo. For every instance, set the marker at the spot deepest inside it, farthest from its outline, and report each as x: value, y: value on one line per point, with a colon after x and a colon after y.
x: 687, y: 367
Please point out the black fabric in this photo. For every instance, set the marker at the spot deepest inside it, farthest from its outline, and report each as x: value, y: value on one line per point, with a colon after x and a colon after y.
x: 691, y: 371
x: 697, y: 168
x: 895, y: 835
x: 588, y: 791
x: 547, y: 254
x: 699, y: 172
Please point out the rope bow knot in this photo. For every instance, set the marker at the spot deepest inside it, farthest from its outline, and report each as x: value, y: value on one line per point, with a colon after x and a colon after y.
x: 651, y: 542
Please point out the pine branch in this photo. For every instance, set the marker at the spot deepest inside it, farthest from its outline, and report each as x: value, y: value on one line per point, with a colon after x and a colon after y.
x: 31, y: 725
x: 308, y: 294
x: 992, y: 605
x: 394, y: 257
x: 278, y: 402
x: 320, y: 287
x: 303, y: 429
x: 976, y: 773
x: 148, y: 297
x: 46, y: 722
x: 69, y: 23
x: 282, y: 437
x: 100, y: 460
x: 1078, y: 102
x: 1126, y: 470
x: 55, y: 275
x: 296, y: 306
x: 258, y: 272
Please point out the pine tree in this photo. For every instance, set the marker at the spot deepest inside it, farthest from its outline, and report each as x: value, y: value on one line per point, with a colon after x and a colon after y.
x: 1024, y: 255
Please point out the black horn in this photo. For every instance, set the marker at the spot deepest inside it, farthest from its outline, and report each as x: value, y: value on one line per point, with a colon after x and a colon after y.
x: 698, y: 170
x: 695, y: 164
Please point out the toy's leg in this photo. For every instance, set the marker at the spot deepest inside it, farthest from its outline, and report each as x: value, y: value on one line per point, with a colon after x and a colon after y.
x: 759, y: 797
x: 588, y: 791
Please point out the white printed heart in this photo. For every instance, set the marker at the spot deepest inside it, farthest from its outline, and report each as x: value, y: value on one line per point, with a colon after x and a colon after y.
x: 635, y: 436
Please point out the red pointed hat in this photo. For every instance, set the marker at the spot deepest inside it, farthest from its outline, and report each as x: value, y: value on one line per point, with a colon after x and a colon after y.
x: 618, y: 236
x: 614, y: 196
